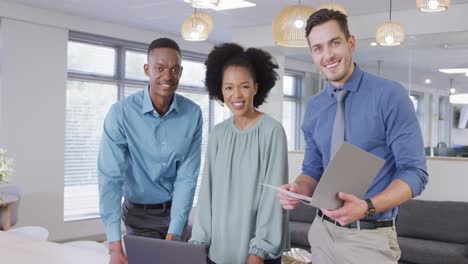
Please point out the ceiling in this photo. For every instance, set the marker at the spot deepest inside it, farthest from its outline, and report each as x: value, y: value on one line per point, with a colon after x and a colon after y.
x: 425, y: 53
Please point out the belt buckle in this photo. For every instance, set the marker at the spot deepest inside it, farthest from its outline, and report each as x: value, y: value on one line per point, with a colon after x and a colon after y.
x: 164, y: 206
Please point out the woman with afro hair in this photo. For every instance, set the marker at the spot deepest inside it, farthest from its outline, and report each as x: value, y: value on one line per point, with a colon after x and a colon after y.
x: 238, y: 219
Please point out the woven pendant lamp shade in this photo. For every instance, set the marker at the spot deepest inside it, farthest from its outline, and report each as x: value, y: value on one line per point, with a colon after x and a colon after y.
x: 195, y: 29
x: 390, y: 34
x: 432, y: 5
x: 334, y: 6
x: 207, y: 17
x: 289, y: 26
x: 204, y: 4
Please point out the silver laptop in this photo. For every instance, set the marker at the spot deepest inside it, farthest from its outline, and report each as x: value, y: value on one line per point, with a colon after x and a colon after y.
x: 352, y: 170
x: 144, y: 250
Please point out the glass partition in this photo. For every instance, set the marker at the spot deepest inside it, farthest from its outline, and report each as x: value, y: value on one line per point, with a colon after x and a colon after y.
x: 438, y: 97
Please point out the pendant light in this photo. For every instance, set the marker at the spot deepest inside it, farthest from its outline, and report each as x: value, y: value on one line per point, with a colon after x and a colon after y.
x: 289, y: 26
x: 195, y: 28
x: 432, y: 5
x: 390, y: 33
x: 207, y: 17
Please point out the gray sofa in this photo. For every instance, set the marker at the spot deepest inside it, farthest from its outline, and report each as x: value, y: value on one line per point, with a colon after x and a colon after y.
x: 433, y: 232
x: 428, y: 231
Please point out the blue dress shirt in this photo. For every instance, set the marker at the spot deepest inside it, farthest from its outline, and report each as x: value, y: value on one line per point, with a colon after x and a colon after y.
x: 379, y: 118
x: 149, y: 158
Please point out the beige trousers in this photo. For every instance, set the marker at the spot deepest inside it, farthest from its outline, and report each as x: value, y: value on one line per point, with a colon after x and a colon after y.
x: 331, y: 244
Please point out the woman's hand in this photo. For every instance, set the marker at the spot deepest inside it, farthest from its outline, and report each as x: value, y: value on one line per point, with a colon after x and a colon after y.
x: 254, y: 259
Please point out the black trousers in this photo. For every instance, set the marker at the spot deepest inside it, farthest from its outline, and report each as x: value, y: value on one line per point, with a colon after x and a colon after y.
x: 152, y: 223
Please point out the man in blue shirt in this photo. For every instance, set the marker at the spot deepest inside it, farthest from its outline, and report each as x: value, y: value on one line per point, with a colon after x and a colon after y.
x: 379, y: 118
x: 150, y: 155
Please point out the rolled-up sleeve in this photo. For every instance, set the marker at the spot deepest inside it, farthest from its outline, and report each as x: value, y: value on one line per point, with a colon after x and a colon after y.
x: 186, y: 181
x: 404, y: 138
x: 111, y: 159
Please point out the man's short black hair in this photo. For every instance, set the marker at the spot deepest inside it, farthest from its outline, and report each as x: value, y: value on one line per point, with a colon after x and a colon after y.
x: 163, y: 43
x: 322, y: 16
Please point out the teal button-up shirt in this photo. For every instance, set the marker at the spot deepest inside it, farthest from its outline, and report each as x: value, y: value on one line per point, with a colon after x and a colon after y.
x: 148, y: 158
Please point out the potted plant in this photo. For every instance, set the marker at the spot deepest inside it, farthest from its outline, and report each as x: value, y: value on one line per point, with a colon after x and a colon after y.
x: 6, y: 168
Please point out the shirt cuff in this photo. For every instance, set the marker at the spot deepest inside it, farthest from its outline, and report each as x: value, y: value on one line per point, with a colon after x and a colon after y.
x: 176, y: 228
x: 113, y: 232
x: 258, y: 251
x: 199, y: 243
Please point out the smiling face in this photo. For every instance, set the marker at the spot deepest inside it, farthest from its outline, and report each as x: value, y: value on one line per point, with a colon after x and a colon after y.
x: 332, y: 52
x: 239, y: 89
x: 164, y: 71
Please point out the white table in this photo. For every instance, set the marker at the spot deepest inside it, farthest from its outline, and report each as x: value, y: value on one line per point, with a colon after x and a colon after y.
x: 22, y: 250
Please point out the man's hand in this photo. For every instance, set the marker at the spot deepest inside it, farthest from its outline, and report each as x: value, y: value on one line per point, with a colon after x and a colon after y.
x: 303, y: 184
x: 116, y: 253
x: 254, y: 259
x: 288, y: 202
x: 352, y: 209
x: 170, y: 236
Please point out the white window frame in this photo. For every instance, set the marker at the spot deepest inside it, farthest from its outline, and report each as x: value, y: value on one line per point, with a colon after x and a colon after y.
x: 297, y: 99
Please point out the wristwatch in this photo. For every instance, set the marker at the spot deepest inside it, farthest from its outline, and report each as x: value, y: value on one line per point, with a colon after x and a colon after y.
x: 370, y: 209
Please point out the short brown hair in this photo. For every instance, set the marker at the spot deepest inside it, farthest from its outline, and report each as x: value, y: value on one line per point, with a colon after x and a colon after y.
x: 322, y: 16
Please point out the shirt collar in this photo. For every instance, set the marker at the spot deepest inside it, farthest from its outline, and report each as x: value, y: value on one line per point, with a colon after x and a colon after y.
x: 352, y: 84
x: 147, y: 105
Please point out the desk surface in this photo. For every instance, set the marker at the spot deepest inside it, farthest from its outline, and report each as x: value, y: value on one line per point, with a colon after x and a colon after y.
x: 21, y: 250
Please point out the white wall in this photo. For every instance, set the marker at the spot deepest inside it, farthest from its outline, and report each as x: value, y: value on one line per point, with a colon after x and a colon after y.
x: 33, y: 82
x: 448, y: 179
x: 460, y: 136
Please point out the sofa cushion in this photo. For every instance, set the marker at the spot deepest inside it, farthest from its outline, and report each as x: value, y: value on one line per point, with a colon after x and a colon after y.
x: 431, y: 252
x: 303, y: 213
x: 298, y: 233
x: 434, y: 220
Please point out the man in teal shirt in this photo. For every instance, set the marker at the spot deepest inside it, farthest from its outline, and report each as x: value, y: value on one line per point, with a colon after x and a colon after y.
x: 150, y: 155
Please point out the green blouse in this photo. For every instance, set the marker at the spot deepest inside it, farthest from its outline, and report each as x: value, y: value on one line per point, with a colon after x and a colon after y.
x: 236, y: 215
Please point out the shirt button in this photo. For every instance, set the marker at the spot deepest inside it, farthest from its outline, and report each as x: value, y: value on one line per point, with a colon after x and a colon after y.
x: 164, y: 142
x: 164, y: 164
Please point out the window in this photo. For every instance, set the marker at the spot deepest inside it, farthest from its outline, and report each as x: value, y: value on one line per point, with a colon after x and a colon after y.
x: 100, y: 72
x: 95, y: 81
x: 292, y: 86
